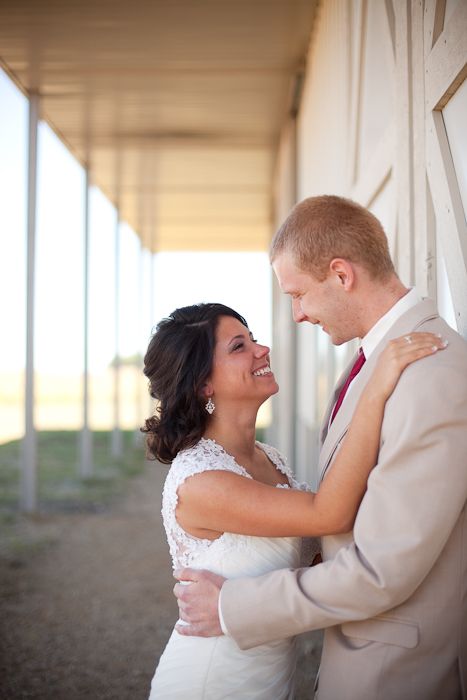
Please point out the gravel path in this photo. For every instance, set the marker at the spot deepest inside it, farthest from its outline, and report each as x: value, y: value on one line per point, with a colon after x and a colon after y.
x: 87, y: 606
x: 88, y: 614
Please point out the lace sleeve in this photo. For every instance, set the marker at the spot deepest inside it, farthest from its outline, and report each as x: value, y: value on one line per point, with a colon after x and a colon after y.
x: 206, y: 455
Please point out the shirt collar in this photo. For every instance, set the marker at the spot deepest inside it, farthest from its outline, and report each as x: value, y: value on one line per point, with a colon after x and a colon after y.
x: 381, y: 327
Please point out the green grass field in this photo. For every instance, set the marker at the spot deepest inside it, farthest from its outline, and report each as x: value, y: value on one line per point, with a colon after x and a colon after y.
x: 60, y: 487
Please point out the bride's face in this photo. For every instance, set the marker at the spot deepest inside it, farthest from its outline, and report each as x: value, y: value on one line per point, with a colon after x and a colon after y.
x: 241, y: 368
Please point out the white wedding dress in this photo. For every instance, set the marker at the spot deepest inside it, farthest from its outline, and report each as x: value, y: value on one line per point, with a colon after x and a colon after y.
x: 195, y: 668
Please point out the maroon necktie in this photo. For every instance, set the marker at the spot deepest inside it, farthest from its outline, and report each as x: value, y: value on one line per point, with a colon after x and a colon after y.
x: 359, y: 362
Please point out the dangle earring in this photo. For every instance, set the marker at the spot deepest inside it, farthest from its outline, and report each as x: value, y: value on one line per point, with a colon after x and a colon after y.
x: 210, y: 406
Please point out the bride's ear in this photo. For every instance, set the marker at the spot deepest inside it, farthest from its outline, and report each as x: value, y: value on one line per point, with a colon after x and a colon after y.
x: 207, y: 390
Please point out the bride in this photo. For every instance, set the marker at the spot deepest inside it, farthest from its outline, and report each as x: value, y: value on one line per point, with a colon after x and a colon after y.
x: 231, y: 504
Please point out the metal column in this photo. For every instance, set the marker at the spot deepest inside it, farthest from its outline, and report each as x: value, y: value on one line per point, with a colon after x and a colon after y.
x: 86, y: 466
x: 116, y: 443
x: 152, y: 288
x: 28, y: 492
x: 138, y: 388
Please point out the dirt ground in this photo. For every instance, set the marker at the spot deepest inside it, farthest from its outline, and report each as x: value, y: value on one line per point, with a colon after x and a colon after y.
x: 87, y: 603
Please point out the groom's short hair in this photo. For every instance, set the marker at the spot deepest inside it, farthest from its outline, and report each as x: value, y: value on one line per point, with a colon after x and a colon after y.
x: 319, y: 229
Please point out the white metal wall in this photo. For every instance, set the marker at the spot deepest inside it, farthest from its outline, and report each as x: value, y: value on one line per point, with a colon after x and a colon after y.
x: 382, y: 120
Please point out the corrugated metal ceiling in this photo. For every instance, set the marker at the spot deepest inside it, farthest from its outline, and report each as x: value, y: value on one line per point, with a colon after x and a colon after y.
x: 176, y: 105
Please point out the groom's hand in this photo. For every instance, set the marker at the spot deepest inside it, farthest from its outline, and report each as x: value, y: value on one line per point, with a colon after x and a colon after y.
x: 198, y: 602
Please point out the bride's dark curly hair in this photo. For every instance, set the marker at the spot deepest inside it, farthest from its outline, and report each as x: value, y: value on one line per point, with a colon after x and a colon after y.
x: 178, y: 362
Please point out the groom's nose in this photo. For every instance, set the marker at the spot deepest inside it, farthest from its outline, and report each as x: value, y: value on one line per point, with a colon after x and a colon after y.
x: 297, y: 311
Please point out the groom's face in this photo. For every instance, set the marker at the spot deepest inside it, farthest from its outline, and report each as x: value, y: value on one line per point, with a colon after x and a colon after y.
x: 321, y: 303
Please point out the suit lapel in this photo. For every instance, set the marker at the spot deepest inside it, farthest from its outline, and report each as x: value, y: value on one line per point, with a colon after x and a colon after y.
x: 410, y: 321
x: 332, y: 401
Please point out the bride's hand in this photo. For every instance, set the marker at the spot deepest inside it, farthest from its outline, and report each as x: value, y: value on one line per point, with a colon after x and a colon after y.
x: 398, y: 354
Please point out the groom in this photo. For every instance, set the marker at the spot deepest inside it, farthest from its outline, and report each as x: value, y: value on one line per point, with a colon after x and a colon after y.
x: 392, y: 594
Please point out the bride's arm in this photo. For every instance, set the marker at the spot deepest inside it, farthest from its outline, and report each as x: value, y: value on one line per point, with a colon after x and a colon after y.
x: 219, y: 501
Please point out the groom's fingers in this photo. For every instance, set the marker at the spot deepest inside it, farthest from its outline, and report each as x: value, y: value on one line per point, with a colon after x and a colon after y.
x: 197, y: 595
x: 187, y: 574
x: 199, y: 630
x: 202, y: 628
x: 190, y: 602
x: 195, y: 622
x: 185, y: 630
x: 186, y: 577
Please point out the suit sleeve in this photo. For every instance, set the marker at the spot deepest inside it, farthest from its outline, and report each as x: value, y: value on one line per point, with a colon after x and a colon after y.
x: 415, y: 496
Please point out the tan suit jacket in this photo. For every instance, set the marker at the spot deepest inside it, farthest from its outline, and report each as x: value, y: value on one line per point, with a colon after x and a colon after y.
x: 392, y: 595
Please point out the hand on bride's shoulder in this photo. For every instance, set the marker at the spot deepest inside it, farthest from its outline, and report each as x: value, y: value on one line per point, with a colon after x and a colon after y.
x: 397, y: 355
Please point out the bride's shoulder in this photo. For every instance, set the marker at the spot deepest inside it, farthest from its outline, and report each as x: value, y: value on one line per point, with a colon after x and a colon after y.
x: 205, y: 455
x: 281, y: 463
x: 204, y: 450
x: 276, y: 457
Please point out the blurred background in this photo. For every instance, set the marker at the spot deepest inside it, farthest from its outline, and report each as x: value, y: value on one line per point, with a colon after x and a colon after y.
x: 148, y: 152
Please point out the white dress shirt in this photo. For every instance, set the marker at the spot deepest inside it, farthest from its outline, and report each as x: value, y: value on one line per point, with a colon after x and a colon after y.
x: 381, y: 327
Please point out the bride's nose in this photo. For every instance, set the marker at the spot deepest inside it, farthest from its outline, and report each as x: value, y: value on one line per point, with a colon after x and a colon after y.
x: 262, y: 350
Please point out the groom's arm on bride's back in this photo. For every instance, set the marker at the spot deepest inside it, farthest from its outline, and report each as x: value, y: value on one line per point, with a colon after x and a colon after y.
x: 415, y: 496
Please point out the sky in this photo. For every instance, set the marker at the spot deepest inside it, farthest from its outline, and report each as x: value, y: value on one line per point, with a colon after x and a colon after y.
x: 240, y: 280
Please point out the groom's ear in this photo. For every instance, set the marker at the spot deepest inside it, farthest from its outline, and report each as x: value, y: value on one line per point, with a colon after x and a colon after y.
x: 342, y: 272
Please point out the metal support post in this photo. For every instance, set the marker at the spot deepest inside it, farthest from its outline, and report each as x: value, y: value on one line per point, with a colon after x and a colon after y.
x: 28, y: 491
x: 138, y: 385
x: 152, y: 287
x: 117, y: 443
x: 86, y: 466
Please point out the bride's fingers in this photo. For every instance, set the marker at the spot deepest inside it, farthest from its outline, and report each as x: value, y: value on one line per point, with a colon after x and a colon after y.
x: 397, y: 355
x: 419, y: 339
x: 415, y: 346
x: 409, y: 344
x: 417, y: 353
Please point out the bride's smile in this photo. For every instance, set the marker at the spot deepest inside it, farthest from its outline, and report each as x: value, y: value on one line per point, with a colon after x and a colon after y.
x: 241, y: 368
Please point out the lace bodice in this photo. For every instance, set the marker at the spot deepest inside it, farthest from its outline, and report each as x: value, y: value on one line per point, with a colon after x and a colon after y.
x: 215, y: 667
x: 206, y: 455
